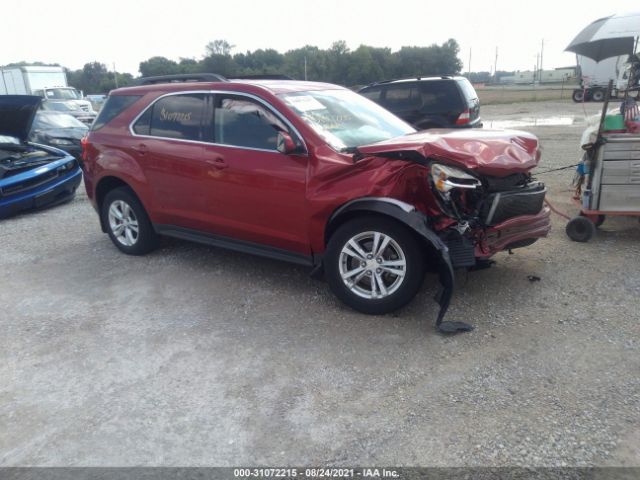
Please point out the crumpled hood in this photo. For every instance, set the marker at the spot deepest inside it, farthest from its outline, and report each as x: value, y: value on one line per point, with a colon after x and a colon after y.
x: 16, y: 115
x: 491, y: 152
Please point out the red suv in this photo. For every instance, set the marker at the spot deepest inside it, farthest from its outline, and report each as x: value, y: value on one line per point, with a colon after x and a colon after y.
x: 314, y: 174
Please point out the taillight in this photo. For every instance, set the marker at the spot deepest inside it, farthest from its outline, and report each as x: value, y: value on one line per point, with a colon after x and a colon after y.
x: 464, y: 118
x: 84, y: 144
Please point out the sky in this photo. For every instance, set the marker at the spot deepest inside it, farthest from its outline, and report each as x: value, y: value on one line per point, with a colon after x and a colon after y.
x: 126, y: 32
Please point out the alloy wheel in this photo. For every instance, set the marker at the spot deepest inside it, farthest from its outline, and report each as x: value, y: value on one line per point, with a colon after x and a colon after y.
x: 372, y: 265
x: 123, y: 223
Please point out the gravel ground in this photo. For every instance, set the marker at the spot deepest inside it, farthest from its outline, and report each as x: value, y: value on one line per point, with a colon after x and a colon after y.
x: 197, y: 356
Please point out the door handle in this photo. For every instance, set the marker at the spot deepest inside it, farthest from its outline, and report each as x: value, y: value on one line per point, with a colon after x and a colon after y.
x: 141, y: 148
x: 218, y: 163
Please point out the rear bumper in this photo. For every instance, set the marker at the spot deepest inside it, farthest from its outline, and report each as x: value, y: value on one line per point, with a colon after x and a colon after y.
x: 515, y: 232
x: 59, y: 191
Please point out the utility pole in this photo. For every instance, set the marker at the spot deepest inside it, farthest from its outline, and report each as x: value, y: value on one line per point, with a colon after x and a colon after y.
x: 305, y: 67
x: 115, y: 74
x: 541, y: 53
x: 469, y: 69
x: 495, y: 67
x: 536, y: 72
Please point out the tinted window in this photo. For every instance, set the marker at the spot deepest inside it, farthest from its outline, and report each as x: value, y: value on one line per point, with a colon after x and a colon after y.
x: 242, y: 122
x: 403, y: 97
x: 467, y: 89
x: 440, y: 96
x: 372, y: 94
x: 113, y: 106
x: 143, y: 124
x: 176, y: 116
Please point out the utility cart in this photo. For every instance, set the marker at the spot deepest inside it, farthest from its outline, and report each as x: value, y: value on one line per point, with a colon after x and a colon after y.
x: 612, y: 181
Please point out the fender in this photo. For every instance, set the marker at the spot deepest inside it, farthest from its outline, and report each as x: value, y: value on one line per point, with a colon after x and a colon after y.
x: 418, y: 222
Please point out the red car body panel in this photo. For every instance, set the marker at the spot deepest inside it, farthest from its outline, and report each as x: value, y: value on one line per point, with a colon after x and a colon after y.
x: 286, y: 201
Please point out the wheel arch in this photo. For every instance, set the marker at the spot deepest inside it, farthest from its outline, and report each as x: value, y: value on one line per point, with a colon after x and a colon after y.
x: 398, y: 210
x: 411, y: 218
x: 105, y: 185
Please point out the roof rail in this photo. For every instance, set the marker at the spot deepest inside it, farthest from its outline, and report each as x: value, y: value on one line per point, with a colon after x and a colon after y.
x: 267, y: 76
x: 421, y: 77
x: 181, y: 77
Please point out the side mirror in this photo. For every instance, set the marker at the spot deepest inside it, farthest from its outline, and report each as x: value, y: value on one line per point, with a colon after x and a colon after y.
x: 285, y: 144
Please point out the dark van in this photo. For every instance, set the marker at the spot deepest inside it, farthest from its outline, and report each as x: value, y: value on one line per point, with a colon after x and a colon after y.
x: 429, y: 102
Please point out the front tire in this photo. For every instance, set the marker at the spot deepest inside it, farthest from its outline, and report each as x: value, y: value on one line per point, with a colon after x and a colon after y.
x: 127, y: 222
x: 580, y: 229
x: 374, y: 264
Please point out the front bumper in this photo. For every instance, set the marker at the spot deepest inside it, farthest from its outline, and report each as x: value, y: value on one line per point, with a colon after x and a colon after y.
x: 515, y: 232
x: 58, y: 191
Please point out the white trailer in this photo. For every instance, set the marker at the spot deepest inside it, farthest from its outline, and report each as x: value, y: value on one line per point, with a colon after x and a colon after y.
x: 594, y: 77
x: 47, y: 82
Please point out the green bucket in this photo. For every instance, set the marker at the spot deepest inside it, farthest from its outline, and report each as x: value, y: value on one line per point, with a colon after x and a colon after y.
x: 614, y: 122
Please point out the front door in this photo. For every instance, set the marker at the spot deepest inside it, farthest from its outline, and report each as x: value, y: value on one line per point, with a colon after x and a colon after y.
x: 255, y: 193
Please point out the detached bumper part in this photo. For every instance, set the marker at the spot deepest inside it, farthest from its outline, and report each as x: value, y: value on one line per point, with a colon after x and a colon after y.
x: 443, y: 298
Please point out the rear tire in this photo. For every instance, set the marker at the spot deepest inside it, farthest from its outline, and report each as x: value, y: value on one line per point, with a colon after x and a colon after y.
x: 597, y: 95
x: 578, y: 96
x: 127, y: 222
x: 374, y: 264
x: 580, y: 229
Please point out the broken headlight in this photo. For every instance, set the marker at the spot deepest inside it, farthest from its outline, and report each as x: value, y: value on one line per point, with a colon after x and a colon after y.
x: 446, y: 178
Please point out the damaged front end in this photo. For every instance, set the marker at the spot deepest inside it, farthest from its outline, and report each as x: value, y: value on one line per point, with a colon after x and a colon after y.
x: 481, y: 196
x: 483, y: 215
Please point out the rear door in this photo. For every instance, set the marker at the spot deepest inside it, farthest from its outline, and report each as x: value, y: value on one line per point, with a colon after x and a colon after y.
x: 168, y: 144
x: 404, y: 100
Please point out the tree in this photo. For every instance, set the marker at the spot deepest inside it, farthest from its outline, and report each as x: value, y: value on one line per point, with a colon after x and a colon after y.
x: 158, y: 66
x: 337, y: 64
x: 24, y: 64
x: 219, y: 47
x: 364, y: 67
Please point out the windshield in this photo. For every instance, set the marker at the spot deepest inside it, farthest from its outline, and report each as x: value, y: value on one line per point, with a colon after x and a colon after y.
x: 62, y: 94
x: 345, y: 119
x: 58, y: 106
x: 44, y: 120
x: 7, y: 139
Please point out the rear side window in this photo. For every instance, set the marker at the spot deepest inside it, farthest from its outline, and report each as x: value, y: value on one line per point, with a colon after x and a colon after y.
x: 440, y: 96
x: 372, y: 94
x: 403, y: 97
x: 113, y: 106
x: 467, y: 89
x: 176, y: 116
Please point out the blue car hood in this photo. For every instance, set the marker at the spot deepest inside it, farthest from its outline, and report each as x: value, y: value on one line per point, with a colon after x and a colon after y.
x: 16, y: 115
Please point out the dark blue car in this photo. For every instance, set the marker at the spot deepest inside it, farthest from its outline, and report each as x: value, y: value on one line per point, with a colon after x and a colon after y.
x: 31, y: 175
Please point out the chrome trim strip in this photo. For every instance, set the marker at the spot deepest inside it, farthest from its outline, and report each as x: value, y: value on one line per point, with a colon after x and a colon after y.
x: 394, y: 201
x: 217, y: 92
x: 494, y: 206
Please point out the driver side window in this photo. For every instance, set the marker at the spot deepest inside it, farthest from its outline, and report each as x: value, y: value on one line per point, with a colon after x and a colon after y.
x: 242, y: 122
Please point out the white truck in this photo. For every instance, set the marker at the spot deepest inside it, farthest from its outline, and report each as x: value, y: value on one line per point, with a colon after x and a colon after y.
x: 47, y: 82
x: 594, y: 78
